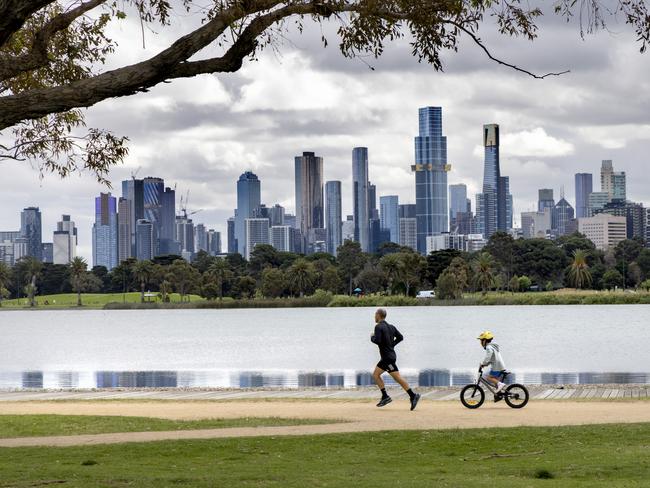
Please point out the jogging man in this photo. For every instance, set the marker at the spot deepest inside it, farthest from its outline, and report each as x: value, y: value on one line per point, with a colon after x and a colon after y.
x: 386, y: 337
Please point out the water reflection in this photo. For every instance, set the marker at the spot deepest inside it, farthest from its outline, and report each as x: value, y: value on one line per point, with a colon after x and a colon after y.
x: 288, y: 379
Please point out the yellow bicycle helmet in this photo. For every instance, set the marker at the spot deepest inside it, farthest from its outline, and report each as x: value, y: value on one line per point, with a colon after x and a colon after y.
x: 486, y: 335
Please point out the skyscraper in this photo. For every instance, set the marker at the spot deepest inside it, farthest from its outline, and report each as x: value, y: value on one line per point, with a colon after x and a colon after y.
x: 185, y: 236
x: 584, y: 186
x: 133, y: 190
x: 408, y: 226
x: 232, y: 240
x: 105, y: 231
x: 309, y: 195
x: 457, y: 199
x: 373, y: 211
x: 144, y: 240
x: 154, y: 189
x: 200, y: 238
x: 360, y: 197
x: 248, y: 201
x: 506, y: 198
x: 389, y: 212
x: 333, y: 215
x: 31, y: 231
x: 64, y: 241
x: 214, y: 242
x: 257, y: 232
x: 545, y: 199
x: 124, y: 213
x: 611, y: 182
x: 276, y: 214
x: 492, y: 212
x: 168, y: 222
x: 562, y: 216
x: 430, y: 170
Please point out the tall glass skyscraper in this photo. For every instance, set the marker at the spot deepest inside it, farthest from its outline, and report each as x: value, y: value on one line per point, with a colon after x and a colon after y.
x: 133, y: 190
x: 545, y: 199
x: 310, y: 207
x: 105, y: 249
x: 360, y: 202
x: 430, y: 170
x: 457, y: 199
x: 31, y: 230
x: 168, y: 245
x: 584, y: 186
x: 389, y: 213
x: 153, y: 197
x: 333, y: 218
x: 248, y: 201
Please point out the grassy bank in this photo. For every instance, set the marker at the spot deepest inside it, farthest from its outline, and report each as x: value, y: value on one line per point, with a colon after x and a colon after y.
x: 48, y: 425
x: 89, y: 300
x: 584, y: 456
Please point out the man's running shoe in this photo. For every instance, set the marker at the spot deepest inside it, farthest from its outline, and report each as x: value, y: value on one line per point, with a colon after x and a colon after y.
x: 415, y: 400
x: 501, y: 387
x: 384, y: 401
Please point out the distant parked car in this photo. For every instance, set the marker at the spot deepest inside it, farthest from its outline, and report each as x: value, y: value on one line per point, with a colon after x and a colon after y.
x: 426, y: 294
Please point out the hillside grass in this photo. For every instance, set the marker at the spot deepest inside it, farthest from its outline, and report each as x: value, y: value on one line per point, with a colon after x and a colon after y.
x: 89, y: 300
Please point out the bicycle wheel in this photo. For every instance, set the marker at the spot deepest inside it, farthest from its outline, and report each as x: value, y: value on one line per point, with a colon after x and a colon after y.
x: 472, y: 396
x: 516, y: 396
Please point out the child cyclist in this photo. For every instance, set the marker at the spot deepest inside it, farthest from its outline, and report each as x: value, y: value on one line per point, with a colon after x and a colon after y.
x: 493, y: 359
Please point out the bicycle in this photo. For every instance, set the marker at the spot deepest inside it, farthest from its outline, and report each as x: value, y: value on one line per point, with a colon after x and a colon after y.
x: 515, y: 395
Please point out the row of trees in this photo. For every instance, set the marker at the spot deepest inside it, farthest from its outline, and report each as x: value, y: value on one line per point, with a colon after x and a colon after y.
x: 504, y: 264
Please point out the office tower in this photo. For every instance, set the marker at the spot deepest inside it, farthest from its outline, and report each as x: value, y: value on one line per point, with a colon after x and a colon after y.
x: 408, y: 225
x: 545, y: 199
x: 504, y: 199
x: 248, y: 201
x: 256, y: 232
x: 360, y: 197
x: 378, y: 236
x: 47, y: 252
x: 333, y: 215
x: 154, y: 189
x: 457, y: 199
x: 389, y: 206
x: 232, y: 240
x: 583, y: 187
x: 309, y: 194
x: 611, y: 182
x: 536, y: 224
x: 347, y: 229
x: 200, y: 238
x: 634, y: 214
x: 562, y: 216
x: 373, y: 211
x: 276, y: 214
x: 168, y: 222
x: 105, y: 231
x: 494, y: 203
x: 214, y: 242
x: 597, y: 200
x: 124, y: 212
x: 604, y: 230
x: 133, y: 190
x: 31, y: 230
x: 430, y: 176
x: 64, y: 241
x: 144, y: 240
x: 465, y: 223
x: 281, y: 237
x: 290, y: 220
x: 185, y: 236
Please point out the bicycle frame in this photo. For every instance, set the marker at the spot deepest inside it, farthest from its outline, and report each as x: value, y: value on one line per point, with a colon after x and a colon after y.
x: 488, y: 385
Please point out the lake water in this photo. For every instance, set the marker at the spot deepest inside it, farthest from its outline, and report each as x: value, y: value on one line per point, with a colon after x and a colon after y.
x: 317, y: 347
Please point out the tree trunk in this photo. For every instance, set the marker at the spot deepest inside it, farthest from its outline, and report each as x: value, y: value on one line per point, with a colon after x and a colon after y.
x: 142, y: 292
x: 78, y: 297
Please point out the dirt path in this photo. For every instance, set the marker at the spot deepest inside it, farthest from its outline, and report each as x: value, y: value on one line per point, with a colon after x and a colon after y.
x: 360, y: 416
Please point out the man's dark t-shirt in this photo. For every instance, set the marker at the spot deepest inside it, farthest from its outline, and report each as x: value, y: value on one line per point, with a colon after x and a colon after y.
x: 386, y: 336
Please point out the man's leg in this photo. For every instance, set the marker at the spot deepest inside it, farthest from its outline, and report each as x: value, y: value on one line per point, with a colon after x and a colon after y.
x: 415, y: 397
x: 385, y: 399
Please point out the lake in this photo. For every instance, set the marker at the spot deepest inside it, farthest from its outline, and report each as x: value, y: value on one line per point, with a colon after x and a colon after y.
x: 317, y: 347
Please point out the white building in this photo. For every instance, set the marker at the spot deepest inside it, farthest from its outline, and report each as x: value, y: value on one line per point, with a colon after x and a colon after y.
x: 475, y: 242
x: 256, y: 232
x: 603, y: 230
x: 281, y: 237
x: 408, y: 232
x: 64, y: 241
x: 536, y: 224
x: 446, y: 241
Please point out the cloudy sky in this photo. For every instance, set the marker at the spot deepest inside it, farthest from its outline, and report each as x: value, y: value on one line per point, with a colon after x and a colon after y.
x: 202, y: 133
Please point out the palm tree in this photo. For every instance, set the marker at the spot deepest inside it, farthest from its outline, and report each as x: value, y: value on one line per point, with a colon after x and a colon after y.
x: 579, y: 274
x: 142, y: 271
x: 219, y: 271
x: 33, y: 268
x: 165, y: 290
x: 301, y: 275
x: 78, y: 267
x: 483, y: 274
x: 391, y: 265
x: 5, y: 276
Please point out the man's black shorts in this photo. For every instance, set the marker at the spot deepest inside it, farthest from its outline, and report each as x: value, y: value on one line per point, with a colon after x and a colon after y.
x: 390, y: 366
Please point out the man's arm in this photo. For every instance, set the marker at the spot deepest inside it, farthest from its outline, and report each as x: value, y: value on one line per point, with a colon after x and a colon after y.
x: 377, y: 336
x: 398, y: 337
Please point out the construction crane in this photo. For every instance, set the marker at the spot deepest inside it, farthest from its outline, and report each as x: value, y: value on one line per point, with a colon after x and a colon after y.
x: 135, y: 173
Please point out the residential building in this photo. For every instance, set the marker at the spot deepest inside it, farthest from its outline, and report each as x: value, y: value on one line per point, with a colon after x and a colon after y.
x: 124, y: 214
x: 373, y: 211
x: 31, y: 230
x: 200, y: 238
x: 537, y: 224
x: 168, y: 244
x: 583, y: 187
x: 612, y: 182
x: 347, y: 229
x: 133, y: 190
x: 360, y: 197
x: 105, y: 232
x: 185, y: 236
x: 647, y: 227
x: 604, y: 230
x: 154, y: 189
x: 214, y: 242
x: 457, y: 199
x: 144, y: 240
x: 281, y: 237
x: 545, y: 199
x: 634, y: 214
x: 408, y: 225
x: 389, y: 214
x: 333, y: 215
x: 475, y: 242
x: 309, y: 194
x: 561, y: 218
x: 12, y: 247
x: 64, y: 241
x: 430, y: 170
x: 232, y: 240
x: 276, y: 215
x: 446, y: 240
x: 506, y: 198
x: 290, y: 220
x: 464, y: 223
x: 256, y: 232
x: 248, y: 201
x: 597, y: 200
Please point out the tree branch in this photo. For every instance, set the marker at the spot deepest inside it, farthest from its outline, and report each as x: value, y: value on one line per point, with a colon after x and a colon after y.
x: 14, y: 14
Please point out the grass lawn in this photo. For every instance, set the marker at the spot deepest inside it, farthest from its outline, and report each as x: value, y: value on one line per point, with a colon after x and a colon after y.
x: 46, y: 425
x: 585, y: 456
x: 89, y: 300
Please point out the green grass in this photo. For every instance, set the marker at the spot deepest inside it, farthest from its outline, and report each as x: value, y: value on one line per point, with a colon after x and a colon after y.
x: 89, y: 300
x: 48, y: 425
x: 585, y: 456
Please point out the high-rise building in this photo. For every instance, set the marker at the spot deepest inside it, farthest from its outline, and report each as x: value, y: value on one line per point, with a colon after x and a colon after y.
x: 537, y: 224
x: 506, y: 211
x: 276, y: 214
x: 31, y: 230
x: 457, y: 199
x: 562, y: 216
x: 248, y: 202
x: 168, y: 222
x: 389, y: 206
x: 634, y: 214
x: 214, y: 242
x: 64, y: 241
x: 47, y: 251
x: 611, y: 182
x: 545, y: 199
x: 185, y: 236
x: 604, y: 230
x: 584, y: 186
x: 309, y: 194
x: 144, y: 240
x: 232, y: 240
x: 597, y: 200
x: 430, y: 170
x: 333, y: 215
x: 347, y: 229
x: 281, y: 237
x: 133, y: 190
x: 408, y: 226
x: 256, y: 232
x: 360, y: 197
x: 124, y: 213
x: 373, y: 211
x: 200, y: 238
x: 105, y: 231
x: 647, y: 227
x: 154, y: 189
x: 290, y: 220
